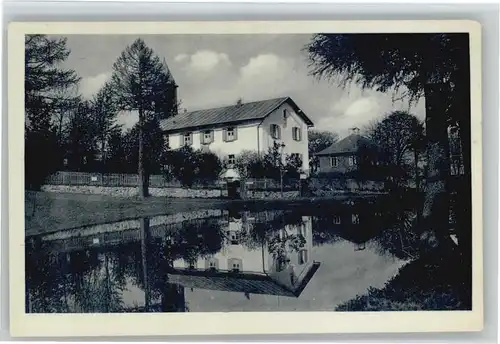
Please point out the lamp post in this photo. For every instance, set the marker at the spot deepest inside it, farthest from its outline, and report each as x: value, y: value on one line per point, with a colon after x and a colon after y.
x: 282, y: 147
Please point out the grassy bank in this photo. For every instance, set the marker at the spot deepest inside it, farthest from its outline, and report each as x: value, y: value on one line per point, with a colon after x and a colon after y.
x: 435, y: 281
x: 49, y: 212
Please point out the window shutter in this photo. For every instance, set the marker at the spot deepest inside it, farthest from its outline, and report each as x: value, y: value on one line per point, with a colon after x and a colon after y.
x: 224, y: 135
x: 272, y: 130
x: 211, y: 136
x: 299, y: 134
x: 278, y: 131
x: 181, y: 139
x: 202, y: 137
x: 235, y: 131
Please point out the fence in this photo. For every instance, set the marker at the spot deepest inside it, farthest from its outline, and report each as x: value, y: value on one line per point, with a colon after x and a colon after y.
x: 118, y: 180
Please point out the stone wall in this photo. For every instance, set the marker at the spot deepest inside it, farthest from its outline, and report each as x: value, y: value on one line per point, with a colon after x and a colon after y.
x: 251, y: 194
x: 133, y: 191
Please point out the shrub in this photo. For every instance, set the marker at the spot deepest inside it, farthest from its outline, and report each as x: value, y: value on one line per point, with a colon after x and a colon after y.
x: 190, y: 166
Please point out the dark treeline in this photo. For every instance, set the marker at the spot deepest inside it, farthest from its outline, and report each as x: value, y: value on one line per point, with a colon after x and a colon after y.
x: 64, y: 131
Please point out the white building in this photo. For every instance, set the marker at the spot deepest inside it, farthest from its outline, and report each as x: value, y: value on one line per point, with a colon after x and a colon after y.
x: 229, y: 130
x: 238, y: 268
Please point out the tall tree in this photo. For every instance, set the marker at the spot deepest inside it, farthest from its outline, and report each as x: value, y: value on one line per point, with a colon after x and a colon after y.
x: 80, y: 139
x: 400, y: 135
x: 48, y: 96
x: 412, y: 64
x: 319, y: 140
x: 143, y: 83
x: 104, y: 112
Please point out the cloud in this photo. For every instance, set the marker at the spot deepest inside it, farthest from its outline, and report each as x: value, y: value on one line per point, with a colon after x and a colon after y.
x: 181, y: 57
x: 92, y: 84
x: 203, y: 61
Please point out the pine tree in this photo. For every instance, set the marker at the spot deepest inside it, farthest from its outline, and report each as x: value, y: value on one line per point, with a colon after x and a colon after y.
x: 142, y: 82
x: 49, y: 96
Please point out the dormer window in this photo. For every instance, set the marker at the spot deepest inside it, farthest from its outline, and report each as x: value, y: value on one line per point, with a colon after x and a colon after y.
x: 230, y: 134
x: 297, y: 134
x: 188, y: 139
x: 275, y: 131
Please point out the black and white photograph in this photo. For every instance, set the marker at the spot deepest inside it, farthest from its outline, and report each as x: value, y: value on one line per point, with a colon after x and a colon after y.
x: 279, y: 172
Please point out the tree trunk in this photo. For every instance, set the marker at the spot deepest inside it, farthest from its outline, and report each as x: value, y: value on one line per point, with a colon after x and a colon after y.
x: 143, y: 185
x: 417, y: 186
x: 435, y: 213
x: 144, y: 258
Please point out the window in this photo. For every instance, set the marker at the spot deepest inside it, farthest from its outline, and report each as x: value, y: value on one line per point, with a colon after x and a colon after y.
x: 334, y: 161
x: 188, y: 141
x: 352, y: 161
x: 234, y: 238
x: 235, y: 265
x: 275, y: 131
x: 285, y: 117
x: 207, y: 137
x: 231, y: 160
x: 303, y: 257
x: 355, y: 219
x: 336, y: 220
x: 230, y: 134
x: 296, y: 134
x: 212, y: 264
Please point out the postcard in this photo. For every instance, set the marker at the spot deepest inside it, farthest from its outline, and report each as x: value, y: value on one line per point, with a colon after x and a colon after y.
x: 188, y: 178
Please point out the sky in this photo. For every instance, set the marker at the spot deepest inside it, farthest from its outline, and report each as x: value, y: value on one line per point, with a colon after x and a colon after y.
x: 217, y: 70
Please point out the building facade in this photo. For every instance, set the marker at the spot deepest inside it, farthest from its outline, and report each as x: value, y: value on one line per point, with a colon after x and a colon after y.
x: 254, y: 126
x: 348, y: 155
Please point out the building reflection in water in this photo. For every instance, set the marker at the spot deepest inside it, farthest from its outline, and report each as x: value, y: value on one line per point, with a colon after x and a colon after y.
x: 145, y: 264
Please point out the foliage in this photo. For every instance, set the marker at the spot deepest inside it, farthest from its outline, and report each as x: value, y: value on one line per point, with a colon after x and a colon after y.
x: 48, y: 98
x: 318, y: 141
x: 196, y: 239
x: 432, y: 282
x: 248, y: 164
x: 142, y: 82
x: 47, y: 85
x: 434, y: 65
x: 153, y: 144
x: 104, y: 113
x: 80, y: 139
x: 401, y: 137
x: 190, y: 166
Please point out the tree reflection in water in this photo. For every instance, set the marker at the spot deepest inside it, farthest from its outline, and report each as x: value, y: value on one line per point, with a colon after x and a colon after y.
x: 94, y: 279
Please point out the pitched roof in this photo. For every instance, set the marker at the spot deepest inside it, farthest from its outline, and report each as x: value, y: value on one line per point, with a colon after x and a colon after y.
x: 241, y: 283
x: 349, y: 144
x: 229, y: 114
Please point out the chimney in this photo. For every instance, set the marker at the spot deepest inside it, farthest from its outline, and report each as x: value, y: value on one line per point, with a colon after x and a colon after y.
x: 354, y: 131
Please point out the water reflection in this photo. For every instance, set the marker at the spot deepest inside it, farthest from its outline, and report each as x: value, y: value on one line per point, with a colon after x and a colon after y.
x: 211, y: 260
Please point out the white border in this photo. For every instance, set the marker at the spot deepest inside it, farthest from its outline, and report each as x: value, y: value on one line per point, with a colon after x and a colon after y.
x: 227, y: 323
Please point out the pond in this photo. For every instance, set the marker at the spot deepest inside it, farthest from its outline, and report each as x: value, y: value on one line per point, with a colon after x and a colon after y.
x: 215, y: 260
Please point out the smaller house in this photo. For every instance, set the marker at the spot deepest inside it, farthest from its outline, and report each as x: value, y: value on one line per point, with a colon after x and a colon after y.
x: 348, y: 154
